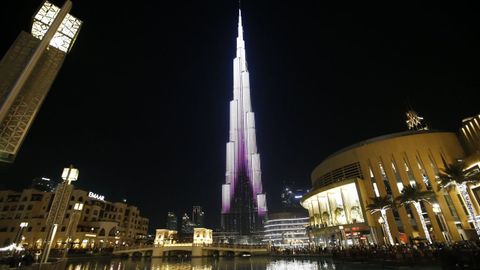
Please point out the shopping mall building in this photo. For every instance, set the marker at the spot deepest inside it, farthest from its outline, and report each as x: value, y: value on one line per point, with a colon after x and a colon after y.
x: 97, y: 223
x: 346, y: 181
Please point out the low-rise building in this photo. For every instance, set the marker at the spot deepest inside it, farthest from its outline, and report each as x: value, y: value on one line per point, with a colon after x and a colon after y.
x: 99, y: 223
x: 345, y: 183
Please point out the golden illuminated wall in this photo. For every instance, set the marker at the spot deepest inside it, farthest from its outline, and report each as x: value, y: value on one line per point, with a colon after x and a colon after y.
x: 334, y: 206
x: 470, y: 134
x: 383, y: 166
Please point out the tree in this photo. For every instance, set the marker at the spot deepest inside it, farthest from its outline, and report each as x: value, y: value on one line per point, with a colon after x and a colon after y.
x: 456, y: 175
x: 382, y: 204
x: 411, y: 194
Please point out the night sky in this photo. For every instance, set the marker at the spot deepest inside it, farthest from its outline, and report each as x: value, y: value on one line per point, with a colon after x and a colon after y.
x: 140, y: 105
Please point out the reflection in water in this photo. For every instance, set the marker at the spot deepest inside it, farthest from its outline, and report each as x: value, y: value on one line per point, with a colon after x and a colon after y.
x: 252, y: 263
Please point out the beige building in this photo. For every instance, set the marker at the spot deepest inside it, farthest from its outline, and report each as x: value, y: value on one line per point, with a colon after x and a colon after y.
x: 345, y: 183
x: 98, y: 224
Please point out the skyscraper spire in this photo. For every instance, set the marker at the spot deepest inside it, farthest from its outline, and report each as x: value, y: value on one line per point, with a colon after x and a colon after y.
x: 243, y: 200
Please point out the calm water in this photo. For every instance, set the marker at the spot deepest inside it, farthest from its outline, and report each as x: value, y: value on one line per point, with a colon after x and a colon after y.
x: 252, y: 263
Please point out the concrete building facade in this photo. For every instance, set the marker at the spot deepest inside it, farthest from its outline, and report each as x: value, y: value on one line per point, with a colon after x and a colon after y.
x: 98, y: 224
x: 345, y: 183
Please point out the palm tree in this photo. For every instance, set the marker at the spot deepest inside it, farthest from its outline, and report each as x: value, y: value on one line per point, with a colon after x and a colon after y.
x: 411, y: 194
x: 457, y: 175
x: 382, y: 204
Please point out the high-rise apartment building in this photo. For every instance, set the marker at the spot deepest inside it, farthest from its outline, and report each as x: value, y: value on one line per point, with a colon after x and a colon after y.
x: 172, y: 223
x: 44, y: 184
x: 243, y: 201
x: 187, y: 225
x: 198, y: 216
x: 27, y: 72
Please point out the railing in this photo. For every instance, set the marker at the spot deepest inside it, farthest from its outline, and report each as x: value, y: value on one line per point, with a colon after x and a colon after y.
x: 178, y: 245
x: 133, y: 247
x: 233, y: 246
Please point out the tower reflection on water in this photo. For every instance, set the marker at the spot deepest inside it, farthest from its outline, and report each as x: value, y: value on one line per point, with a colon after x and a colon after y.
x: 254, y: 263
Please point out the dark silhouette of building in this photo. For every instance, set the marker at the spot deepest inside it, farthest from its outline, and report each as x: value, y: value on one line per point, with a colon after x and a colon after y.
x: 172, y: 223
x: 198, y: 217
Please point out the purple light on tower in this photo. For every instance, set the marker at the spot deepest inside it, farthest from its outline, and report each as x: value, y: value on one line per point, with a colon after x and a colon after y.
x: 243, y: 200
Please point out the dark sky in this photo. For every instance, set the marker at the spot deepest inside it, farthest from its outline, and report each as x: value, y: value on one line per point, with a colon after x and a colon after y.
x: 141, y: 104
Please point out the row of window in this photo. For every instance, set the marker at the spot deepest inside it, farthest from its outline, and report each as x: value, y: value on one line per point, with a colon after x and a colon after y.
x: 16, y: 198
x: 14, y: 207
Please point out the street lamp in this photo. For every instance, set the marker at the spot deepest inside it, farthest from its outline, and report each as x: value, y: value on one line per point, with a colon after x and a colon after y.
x: 70, y: 174
x: 19, y: 234
x: 341, y: 235
x: 72, y: 224
x: 59, y: 205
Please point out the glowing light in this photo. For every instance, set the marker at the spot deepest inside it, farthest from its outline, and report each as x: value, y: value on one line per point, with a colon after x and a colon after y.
x: 12, y: 247
x: 66, y: 33
x: 70, y: 174
x: 96, y: 196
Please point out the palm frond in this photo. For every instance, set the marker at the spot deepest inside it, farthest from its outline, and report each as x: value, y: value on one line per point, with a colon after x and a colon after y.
x: 380, y: 203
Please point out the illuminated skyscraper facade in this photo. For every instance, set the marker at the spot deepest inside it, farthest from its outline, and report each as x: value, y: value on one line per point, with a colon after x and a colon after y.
x: 28, y: 70
x: 243, y: 201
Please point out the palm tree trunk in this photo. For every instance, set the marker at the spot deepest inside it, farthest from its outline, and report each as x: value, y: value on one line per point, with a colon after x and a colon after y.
x: 387, y: 227
x: 422, y: 221
x: 464, y: 193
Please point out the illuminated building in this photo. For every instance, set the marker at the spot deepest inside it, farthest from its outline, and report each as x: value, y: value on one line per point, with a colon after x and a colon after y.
x: 163, y: 237
x: 28, y: 70
x: 172, y: 223
x: 100, y: 223
x: 287, y: 229
x: 243, y: 201
x: 202, y: 236
x: 345, y: 183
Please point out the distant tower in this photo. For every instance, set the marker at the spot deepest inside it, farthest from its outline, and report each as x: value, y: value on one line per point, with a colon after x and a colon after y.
x: 172, y: 223
x: 291, y: 196
x: 44, y: 184
x: 243, y: 201
x: 187, y: 226
x: 28, y: 70
x: 198, y: 216
x: 415, y: 122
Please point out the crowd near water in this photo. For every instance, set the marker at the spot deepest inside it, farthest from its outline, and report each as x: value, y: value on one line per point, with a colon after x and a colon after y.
x: 459, y: 255
x: 463, y: 254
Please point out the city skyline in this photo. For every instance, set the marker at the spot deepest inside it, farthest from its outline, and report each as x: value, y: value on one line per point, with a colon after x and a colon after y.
x: 125, y: 109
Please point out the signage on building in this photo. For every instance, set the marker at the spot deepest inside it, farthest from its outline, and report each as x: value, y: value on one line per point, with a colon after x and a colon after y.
x: 96, y: 196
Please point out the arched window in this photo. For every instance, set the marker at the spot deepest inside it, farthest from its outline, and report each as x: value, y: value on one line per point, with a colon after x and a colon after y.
x: 102, y: 232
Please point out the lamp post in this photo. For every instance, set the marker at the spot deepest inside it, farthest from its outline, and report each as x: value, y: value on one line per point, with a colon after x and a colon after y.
x: 443, y: 224
x: 341, y: 236
x: 72, y: 225
x: 59, y: 206
x: 19, y: 234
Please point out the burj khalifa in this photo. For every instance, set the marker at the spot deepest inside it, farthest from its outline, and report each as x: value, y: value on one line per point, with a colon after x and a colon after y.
x: 243, y: 200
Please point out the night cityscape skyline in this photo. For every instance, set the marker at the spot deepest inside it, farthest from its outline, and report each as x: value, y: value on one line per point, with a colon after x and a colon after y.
x: 133, y: 113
